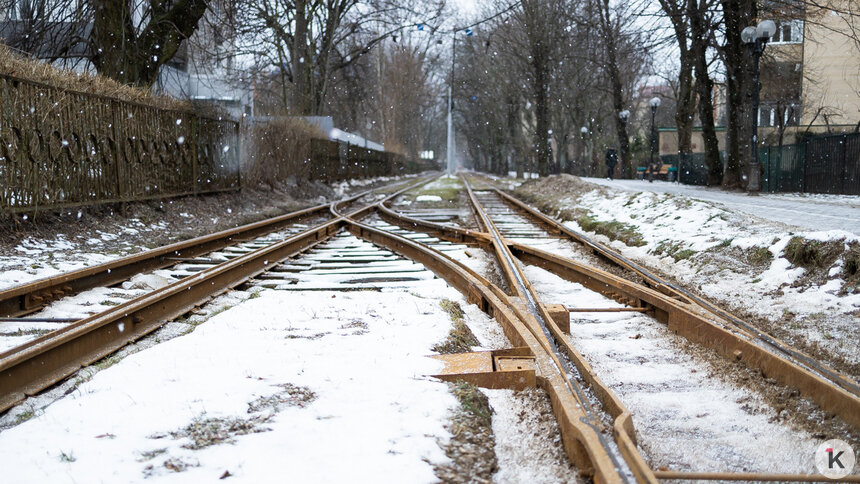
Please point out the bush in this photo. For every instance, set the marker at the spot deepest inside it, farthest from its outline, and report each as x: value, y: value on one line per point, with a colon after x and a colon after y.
x: 276, y: 150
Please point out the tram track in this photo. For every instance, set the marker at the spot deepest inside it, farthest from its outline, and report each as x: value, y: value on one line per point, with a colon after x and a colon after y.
x: 40, y: 362
x: 367, y: 245
x: 658, y: 300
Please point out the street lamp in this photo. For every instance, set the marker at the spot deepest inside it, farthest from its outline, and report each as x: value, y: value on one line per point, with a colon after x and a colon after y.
x: 584, y: 132
x: 756, y: 39
x: 622, y: 148
x: 654, y: 103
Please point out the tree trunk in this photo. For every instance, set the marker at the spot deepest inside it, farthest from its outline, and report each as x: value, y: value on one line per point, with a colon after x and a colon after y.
x: 301, y: 62
x: 738, y: 14
x: 678, y: 13
x: 705, y: 88
x: 609, y: 40
x: 686, y: 104
x: 541, y: 145
x: 133, y: 54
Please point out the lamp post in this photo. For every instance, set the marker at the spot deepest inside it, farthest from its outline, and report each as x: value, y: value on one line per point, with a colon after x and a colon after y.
x: 756, y: 39
x: 654, y: 103
x: 622, y: 143
x: 584, y: 132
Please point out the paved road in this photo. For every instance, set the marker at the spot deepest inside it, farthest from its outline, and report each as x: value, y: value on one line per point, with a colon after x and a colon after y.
x: 811, y: 212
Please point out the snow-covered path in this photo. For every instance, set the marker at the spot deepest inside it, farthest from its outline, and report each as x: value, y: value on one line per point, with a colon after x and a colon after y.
x: 810, y: 211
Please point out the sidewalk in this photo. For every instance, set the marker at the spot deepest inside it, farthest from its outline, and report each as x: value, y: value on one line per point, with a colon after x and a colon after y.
x: 810, y: 211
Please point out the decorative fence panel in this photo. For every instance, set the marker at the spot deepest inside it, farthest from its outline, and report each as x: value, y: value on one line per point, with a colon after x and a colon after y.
x: 823, y: 164
x: 63, y: 148
x: 782, y: 168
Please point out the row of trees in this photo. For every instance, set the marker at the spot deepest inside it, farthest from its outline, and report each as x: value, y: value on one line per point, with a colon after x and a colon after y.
x: 540, y: 86
x: 355, y: 60
x: 552, y: 66
x: 537, y: 76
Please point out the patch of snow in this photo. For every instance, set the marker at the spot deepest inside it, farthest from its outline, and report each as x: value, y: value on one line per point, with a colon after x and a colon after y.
x: 375, y: 415
x: 428, y: 198
x: 521, y: 424
x: 666, y: 220
x: 685, y: 418
x: 811, y: 211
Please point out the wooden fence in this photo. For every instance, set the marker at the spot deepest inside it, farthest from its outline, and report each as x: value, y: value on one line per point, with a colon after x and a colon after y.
x: 61, y: 148
x: 336, y: 160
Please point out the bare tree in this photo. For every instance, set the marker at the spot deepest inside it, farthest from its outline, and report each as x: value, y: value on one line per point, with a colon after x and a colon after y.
x: 701, y: 33
x: 307, y: 41
x: 677, y: 12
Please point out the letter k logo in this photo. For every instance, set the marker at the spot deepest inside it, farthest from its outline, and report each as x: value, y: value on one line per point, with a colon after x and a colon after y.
x: 834, y: 459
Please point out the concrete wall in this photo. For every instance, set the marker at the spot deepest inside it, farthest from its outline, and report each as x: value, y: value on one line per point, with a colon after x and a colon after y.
x: 831, y: 69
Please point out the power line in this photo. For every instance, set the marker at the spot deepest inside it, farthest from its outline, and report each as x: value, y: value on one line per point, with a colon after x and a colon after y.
x: 484, y: 20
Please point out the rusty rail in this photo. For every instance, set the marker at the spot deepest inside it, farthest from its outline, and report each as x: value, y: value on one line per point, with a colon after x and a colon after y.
x: 556, y: 342
x: 31, y: 297
x: 39, y: 363
x: 785, y: 351
x: 526, y: 321
x: 684, y: 316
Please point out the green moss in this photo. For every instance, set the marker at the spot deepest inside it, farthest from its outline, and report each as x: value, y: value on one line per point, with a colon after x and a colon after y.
x: 24, y: 416
x: 448, y: 189
x: 108, y: 361
x: 613, y: 229
x: 725, y: 243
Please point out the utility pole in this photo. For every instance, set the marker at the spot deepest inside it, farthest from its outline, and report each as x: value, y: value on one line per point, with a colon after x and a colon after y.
x: 452, y: 148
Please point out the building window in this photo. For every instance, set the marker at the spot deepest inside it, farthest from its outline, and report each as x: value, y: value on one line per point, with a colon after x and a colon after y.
x: 788, y: 32
x: 769, y: 114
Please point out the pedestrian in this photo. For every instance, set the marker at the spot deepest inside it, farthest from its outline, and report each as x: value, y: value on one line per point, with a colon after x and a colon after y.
x: 611, y: 161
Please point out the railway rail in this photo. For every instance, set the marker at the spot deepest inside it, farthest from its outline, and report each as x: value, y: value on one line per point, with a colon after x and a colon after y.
x: 360, y: 243
x: 244, y: 253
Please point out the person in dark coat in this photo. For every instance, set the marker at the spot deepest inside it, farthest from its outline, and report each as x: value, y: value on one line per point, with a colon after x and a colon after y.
x: 611, y: 161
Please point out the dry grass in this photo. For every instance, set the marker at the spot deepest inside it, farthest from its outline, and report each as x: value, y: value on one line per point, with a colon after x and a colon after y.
x: 613, y: 229
x: 811, y: 254
x: 203, y: 432
x: 14, y: 65
x: 471, y: 449
x: 291, y: 396
x: 460, y: 339
x: 277, y: 150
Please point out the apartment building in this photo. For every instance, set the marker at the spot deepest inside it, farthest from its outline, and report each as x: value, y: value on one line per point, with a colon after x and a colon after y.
x: 810, y: 71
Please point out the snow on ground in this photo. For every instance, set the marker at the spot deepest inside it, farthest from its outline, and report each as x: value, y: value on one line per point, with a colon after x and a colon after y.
x: 34, y: 259
x: 342, y: 188
x: 523, y: 422
x: 685, y: 419
x: 816, y: 212
x: 372, y: 415
x: 692, y: 240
